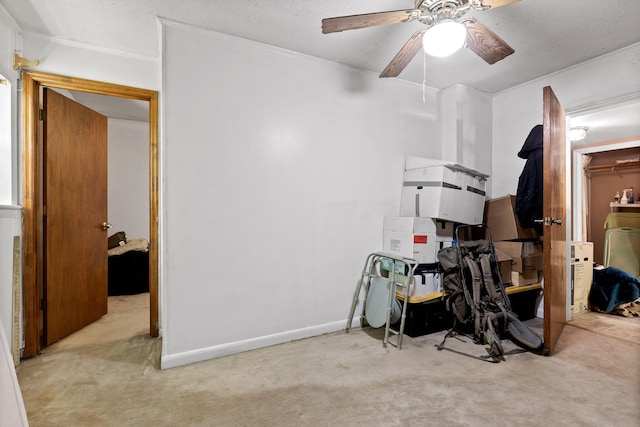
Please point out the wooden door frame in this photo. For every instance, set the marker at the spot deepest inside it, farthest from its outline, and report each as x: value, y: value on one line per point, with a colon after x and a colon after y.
x: 32, y: 271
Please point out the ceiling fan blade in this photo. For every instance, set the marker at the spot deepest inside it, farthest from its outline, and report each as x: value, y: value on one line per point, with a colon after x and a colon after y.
x: 405, y: 55
x: 353, y: 22
x: 485, y: 43
x: 497, y: 3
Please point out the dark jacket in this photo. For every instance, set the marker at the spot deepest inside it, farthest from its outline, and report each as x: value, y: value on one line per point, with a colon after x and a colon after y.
x: 530, y: 184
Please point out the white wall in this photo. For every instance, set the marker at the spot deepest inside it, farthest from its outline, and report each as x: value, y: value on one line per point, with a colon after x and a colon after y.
x: 10, y: 226
x: 465, y: 118
x: 517, y: 110
x: 7, y: 156
x: 279, y: 169
x: 90, y: 62
x: 8, y: 113
x: 129, y: 177
x: 10, y: 214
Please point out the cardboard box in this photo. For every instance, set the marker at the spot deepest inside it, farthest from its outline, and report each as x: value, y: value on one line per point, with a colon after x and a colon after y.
x: 415, y: 237
x: 449, y: 192
x: 526, y: 256
x: 520, y: 249
x: 502, y: 221
x: 504, y: 265
x: 526, y: 278
x: 581, y: 276
x: 527, y: 263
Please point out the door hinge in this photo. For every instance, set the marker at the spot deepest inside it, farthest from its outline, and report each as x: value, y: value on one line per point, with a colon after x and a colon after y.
x: 42, y: 115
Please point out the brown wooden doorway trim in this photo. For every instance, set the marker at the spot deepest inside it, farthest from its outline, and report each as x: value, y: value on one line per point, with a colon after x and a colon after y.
x: 32, y: 81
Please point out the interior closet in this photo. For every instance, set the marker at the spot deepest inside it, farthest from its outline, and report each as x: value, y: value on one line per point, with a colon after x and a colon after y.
x: 609, y: 173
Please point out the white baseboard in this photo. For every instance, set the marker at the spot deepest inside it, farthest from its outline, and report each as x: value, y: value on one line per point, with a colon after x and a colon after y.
x: 199, y: 355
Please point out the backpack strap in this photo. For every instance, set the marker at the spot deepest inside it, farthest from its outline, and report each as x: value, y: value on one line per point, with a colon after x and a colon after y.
x: 523, y: 336
x: 476, y: 285
x: 452, y: 304
x: 485, y: 358
x: 490, y: 286
x: 484, y: 319
x: 495, y: 350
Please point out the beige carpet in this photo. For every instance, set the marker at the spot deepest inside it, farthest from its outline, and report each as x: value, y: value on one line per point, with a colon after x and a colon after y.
x: 626, y: 328
x: 107, y: 375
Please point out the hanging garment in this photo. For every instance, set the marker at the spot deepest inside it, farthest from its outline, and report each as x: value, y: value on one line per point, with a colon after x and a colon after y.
x: 530, y: 184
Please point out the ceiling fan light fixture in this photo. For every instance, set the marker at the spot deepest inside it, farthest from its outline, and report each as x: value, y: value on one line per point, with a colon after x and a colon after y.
x: 444, y: 38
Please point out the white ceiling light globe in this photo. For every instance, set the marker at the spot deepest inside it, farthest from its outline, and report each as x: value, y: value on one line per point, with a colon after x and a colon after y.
x: 444, y: 38
x: 578, y: 133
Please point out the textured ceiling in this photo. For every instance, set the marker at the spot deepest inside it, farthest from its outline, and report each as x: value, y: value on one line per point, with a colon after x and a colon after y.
x: 547, y: 35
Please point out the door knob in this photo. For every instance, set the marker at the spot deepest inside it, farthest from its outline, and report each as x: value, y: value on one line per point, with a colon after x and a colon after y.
x: 547, y: 221
x: 106, y: 225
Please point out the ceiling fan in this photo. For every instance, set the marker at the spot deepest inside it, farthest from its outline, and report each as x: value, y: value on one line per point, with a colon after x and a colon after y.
x: 435, y: 14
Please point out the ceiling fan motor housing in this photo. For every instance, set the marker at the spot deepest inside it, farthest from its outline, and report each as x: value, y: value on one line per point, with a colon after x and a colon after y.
x: 432, y: 11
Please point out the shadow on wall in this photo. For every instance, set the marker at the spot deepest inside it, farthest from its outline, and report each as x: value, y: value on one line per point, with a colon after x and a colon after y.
x: 355, y: 81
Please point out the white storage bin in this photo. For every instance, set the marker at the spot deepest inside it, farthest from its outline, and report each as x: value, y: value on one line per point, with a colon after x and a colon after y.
x: 449, y: 192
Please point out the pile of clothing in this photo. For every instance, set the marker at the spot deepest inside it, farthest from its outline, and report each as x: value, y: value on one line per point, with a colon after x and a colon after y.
x: 615, y: 291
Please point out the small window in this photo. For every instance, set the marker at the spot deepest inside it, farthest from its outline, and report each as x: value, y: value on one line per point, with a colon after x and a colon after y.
x: 7, y: 155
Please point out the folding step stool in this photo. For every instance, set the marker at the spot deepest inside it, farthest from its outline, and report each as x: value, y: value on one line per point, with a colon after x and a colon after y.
x: 400, y: 273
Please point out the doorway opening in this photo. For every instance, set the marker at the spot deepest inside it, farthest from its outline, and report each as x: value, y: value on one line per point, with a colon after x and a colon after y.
x: 32, y: 262
x: 613, y: 131
x: 612, y: 125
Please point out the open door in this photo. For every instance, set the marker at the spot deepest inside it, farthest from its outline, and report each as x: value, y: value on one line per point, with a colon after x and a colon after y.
x: 75, y: 209
x: 554, y: 212
x: 32, y: 193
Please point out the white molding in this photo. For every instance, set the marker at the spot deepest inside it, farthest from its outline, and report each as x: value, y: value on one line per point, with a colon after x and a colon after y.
x: 603, y: 104
x: 8, y: 19
x: 608, y: 146
x: 201, y: 30
x: 199, y: 355
x: 569, y: 68
x: 92, y: 47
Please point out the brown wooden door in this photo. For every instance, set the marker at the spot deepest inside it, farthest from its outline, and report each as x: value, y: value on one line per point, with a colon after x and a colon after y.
x: 75, y: 205
x: 554, y: 210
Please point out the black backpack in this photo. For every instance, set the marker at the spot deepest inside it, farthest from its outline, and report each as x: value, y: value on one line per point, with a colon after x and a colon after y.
x: 477, y: 299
